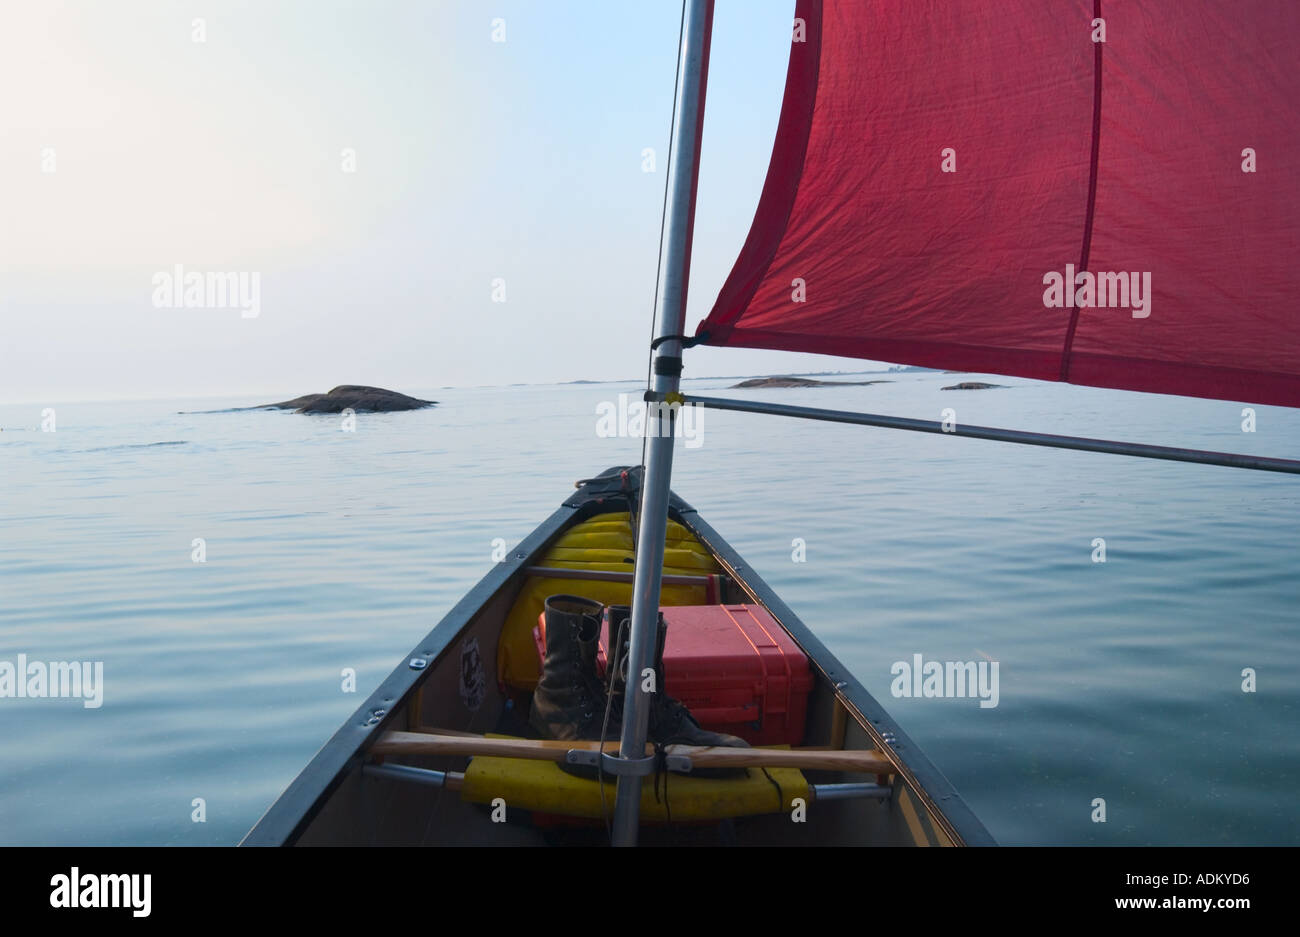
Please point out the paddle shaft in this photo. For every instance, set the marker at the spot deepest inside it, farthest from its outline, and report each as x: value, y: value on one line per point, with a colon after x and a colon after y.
x: 420, y: 743
x: 455, y: 781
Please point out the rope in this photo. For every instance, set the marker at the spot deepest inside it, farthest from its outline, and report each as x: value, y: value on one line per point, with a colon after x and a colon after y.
x: 780, y: 794
x: 615, y: 666
x: 688, y: 341
x: 616, y: 662
x: 663, y: 214
x: 661, y: 771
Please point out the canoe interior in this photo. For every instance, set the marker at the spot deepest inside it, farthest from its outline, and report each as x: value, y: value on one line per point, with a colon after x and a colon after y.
x: 334, y: 803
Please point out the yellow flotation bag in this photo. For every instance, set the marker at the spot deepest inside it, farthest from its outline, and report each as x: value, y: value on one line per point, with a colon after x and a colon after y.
x: 544, y: 787
x: 602, y: 543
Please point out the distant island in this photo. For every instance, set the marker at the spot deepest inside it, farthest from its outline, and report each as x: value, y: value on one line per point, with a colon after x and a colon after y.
x: 356, y: 397
x: 972, y: 385
x: 785, y: 381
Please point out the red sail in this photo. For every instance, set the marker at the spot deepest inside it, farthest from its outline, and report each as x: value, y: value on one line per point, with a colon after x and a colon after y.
x: 1166, y: 155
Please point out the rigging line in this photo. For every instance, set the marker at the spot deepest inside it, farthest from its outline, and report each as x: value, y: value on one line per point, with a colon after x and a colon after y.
x: 687, y: 341
x: 663, y: 218
x: 615, y: 664
x: 1090, y: 216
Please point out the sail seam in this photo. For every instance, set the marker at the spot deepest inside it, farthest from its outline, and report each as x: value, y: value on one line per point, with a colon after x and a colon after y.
x: 1092, y: 192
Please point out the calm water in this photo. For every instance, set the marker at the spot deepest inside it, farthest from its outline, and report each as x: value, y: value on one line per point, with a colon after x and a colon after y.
x: 328, y: 550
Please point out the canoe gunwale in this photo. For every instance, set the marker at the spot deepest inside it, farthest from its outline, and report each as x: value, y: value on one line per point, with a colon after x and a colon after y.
x: 293, y: 811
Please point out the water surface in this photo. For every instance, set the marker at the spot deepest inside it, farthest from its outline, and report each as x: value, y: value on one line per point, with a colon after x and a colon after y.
x: 328, y: 550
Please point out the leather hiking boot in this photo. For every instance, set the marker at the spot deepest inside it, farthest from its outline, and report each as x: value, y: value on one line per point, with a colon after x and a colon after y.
x: 569, y: 702
x: 671, y: 723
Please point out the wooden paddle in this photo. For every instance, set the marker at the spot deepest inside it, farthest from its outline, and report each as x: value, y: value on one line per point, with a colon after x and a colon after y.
x: 422, y: 743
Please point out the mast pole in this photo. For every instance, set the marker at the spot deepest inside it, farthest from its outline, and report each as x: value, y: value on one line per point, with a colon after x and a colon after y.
x: 674, y: 271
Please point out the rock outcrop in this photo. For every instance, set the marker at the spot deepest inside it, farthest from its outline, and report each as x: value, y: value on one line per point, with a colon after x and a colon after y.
x: 972, y: 385
x: 356, y: 397
x: 800, y: 382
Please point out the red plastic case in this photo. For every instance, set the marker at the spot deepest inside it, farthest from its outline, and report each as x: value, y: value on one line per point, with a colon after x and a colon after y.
x: 735, y: 669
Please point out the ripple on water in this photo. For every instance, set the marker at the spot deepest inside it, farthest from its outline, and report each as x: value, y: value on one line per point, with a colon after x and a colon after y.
x: 330, y: 551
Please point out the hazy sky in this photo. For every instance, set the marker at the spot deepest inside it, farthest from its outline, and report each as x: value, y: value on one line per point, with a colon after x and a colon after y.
x: 127, y: 148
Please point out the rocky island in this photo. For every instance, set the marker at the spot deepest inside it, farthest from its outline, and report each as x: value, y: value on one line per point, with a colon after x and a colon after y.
x: 972, y: 385
x: 356, y: 397
x: 800, y: 382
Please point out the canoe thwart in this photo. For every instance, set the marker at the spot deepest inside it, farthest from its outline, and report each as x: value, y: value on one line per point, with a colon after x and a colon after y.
x: 601, y: 575
x: 451, y: 780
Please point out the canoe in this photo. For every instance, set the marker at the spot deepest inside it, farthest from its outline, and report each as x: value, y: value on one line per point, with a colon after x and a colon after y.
x: 421, y: 759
